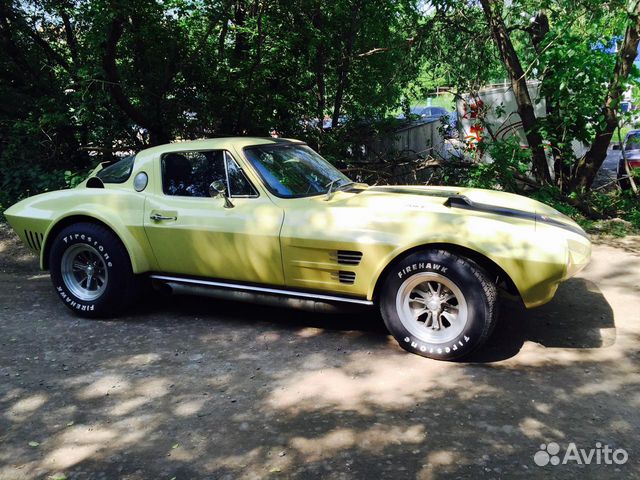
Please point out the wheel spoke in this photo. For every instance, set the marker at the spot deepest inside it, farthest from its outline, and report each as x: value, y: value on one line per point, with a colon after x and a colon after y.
x: 448, y: 297
x: 450, y: 317
x: 418, y: 300
x: 423, y: 294
x: 429, y: 320
x: 416, y: 312
x: 79, y: 266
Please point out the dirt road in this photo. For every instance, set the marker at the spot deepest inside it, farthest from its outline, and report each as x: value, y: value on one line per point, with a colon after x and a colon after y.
x: 195, y: 388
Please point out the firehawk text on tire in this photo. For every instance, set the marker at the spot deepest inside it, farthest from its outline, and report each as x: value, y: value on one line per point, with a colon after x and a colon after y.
x: 438, y: 305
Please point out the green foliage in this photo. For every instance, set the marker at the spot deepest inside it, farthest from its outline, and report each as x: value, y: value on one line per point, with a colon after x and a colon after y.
x: 509, y: 163
x: 129, y: 74
x: 614, y: 213
x: 81, y: 82
x: 509, y: 160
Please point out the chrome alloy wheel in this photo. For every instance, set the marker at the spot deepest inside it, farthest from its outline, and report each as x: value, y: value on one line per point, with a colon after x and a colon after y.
x: 431, y: 307
x: 84, y: 272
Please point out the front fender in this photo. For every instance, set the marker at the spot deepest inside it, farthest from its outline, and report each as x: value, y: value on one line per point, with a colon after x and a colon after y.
x: 534, y: 262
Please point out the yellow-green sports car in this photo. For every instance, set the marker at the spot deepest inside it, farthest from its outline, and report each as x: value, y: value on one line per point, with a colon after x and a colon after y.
x: 269, y: 220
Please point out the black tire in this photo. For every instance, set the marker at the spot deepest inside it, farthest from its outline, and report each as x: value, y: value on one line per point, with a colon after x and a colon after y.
x: 431, y: 267
x: 120, y: 286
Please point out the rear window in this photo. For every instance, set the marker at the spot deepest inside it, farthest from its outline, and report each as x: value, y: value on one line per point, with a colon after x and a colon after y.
x: 117, y: 172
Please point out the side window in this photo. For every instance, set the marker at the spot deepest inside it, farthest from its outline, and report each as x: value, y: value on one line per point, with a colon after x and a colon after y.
x: 239, y: 184
x: 118, y: 172
x: 189, y: 174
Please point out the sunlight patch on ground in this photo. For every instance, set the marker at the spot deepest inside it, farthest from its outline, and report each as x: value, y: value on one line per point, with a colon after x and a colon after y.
x: 367, y: 383
x: 103, y: 385
x: 23, y: 408
x: 374, y: 439
x: 535, y: 429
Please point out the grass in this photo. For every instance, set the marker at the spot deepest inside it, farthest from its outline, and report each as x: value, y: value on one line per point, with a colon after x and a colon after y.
x: 444, y: 100
x: 619, y: 135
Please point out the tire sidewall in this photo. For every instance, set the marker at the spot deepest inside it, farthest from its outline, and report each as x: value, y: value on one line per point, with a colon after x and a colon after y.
x: 479, y: 309
x: 111, y: 253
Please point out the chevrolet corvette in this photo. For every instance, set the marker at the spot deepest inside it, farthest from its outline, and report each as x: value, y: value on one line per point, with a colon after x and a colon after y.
x: 269, y: 220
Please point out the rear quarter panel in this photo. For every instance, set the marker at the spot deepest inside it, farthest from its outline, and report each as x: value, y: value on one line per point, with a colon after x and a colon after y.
x: 120, y: 209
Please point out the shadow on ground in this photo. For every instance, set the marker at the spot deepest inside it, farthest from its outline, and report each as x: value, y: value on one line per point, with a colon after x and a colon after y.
x: 196, y: 388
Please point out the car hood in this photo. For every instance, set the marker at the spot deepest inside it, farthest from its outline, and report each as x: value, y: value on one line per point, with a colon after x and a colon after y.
x: 481, y: 201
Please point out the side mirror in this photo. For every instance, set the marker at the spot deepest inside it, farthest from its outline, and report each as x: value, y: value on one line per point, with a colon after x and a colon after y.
x: 217, y: 189
x: 616, y: 146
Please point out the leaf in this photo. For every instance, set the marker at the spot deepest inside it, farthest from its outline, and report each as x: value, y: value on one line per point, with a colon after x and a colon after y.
x: 175, y: 446
x: 57, y: 476
x: 70, y: 424
x: 34, y: 444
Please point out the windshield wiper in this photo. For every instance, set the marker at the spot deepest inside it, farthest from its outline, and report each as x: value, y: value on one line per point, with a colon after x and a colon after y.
x: 330, y: 186
x: 348, y: 184
x: 339, y: 188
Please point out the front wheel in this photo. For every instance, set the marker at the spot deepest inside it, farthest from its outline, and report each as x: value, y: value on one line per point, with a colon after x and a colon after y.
x: 438, y: 305
x: 91, y: 270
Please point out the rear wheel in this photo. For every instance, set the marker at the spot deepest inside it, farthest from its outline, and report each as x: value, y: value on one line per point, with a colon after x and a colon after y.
x: 438, y: 305
x: 91, y: 270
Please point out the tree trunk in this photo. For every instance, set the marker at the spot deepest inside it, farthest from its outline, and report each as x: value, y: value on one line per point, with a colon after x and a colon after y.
x: 319, y: 65
x: 155, y: 127
x: 519, y: 85
x: 342, y: 72
x: 587, y: 167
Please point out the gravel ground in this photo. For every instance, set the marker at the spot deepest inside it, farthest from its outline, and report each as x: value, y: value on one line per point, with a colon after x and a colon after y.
x: 187, y: 387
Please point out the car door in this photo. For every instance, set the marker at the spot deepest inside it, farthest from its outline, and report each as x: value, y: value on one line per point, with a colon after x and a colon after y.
x: 191, y: 233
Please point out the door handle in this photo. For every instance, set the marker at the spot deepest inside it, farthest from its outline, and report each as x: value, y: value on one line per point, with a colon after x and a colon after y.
x: 158, y: 217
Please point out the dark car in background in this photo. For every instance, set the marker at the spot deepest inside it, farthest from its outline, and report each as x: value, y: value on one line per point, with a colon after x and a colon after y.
x: 429, y: 113
x: 630, y: 152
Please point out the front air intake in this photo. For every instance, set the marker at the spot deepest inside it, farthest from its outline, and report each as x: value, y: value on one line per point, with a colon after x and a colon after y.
x: 34, y: 240
x: 347, y: 257
x: 342, y: 276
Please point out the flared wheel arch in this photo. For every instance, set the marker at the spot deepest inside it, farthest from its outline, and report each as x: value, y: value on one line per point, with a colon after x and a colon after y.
x: 495, y: 272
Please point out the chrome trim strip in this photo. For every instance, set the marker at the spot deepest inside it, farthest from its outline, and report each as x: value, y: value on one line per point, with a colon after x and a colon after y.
x: 253, y: 288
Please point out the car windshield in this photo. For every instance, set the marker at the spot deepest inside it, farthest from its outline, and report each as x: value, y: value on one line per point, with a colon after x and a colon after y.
x: 633, y: 142
x: 291, y: 171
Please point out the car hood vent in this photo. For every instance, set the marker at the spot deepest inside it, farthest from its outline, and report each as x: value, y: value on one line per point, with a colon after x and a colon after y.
x: 348, y: 278
x: 347, y: 257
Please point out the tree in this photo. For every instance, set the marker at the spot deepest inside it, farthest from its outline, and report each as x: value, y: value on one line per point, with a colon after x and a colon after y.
x: 563, y: 45
x: 518, y: 79
x: 587, y: 166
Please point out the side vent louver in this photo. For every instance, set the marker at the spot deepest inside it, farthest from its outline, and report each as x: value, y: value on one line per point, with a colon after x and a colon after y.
x: 344, y: 277
x: 34, y: 239
x: 347, y: 257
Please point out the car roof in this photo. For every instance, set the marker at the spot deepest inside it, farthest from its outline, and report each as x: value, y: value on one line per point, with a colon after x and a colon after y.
x: 220, y: 143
